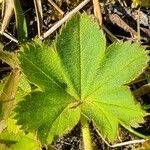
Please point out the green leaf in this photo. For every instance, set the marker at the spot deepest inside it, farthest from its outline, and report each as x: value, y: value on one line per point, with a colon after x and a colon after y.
x: 121, y: 100
x: 11, y: 141
x: 67, y: 119
x: 51, y: 112
x: 119, y: 66
x: 9, y: 58
x: 24, y: 83
x: 45, y: 66
x: 78, y: 76
x: 109, y: 107
x: 12, y: 127
x: 105, y: 121
x: 81, y: 46
x: 24, y: 87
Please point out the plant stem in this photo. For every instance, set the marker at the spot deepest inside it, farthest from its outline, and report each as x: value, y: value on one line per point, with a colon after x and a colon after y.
x: 21, y: 24
x: 86, y: 133
x: 7, y: 98
x: 134, y: 132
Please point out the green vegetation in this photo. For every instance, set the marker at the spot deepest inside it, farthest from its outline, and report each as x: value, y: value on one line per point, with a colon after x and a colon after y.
x: 144, y: 3
x: 77, y: 79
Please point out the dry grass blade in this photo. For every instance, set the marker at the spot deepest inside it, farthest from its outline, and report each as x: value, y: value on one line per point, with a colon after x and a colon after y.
x: 98, y: 15
x: 3, y: 9
x: 64, y: 19
x: 56, y: 7
x: 123, y: 143
x: 142, y: 90
x: 116, y: 19
x: 8, y: 10
x: 38, y: 8
x: 10, y: 37
x: 97, y: 11
x: 3, y: 125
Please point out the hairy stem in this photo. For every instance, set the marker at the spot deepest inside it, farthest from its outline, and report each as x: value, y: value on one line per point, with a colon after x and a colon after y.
x: 86, y: 134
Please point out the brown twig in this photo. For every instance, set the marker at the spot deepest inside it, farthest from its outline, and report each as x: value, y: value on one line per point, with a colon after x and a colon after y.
x: 142, y: 90
x: 116, y: 19
x: 123, y: 143
x: 98, y: 15
x: 97, y: 11
x: 64, y: 19
x: 10, y: 37
x: 56, y: 7
x: 7, y: 12
x: 38, y: 9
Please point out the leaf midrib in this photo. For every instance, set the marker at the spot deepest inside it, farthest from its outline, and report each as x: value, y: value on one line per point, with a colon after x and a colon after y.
x: 115, y: 105
x: 80, y: 64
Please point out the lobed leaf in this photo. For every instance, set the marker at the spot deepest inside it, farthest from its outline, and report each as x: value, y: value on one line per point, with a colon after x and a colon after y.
x: 11, y: 141
x: 78, y: 76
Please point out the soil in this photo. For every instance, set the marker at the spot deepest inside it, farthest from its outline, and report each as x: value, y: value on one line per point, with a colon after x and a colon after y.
x: 73, y: 140
x: 121, y: 21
